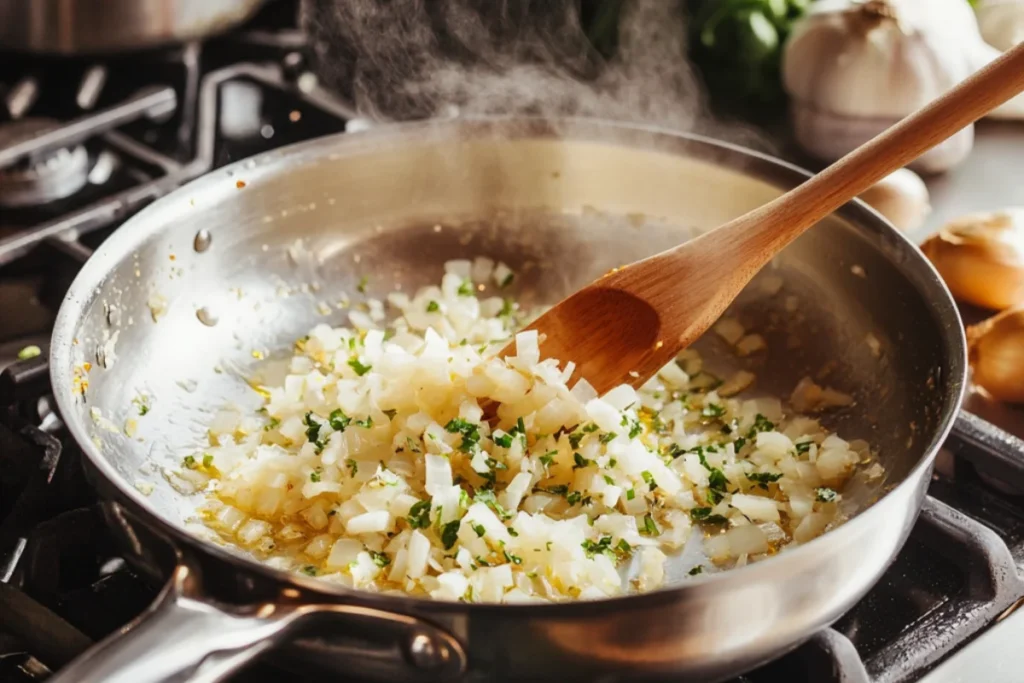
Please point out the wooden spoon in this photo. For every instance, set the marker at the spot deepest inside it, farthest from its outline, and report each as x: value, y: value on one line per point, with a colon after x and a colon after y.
x: 625, y: 326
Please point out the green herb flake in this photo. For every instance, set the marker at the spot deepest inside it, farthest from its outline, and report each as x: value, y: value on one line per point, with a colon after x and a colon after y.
x: 502, y: 439
x: 559, y: 490
x: 580, y: 461
x: 141, y: 402
x: 608, y: 480
x: 433, y: 307
x: 803, y: 446
x: 470, y: 433
x: 313, y: 432
x: 365, y: 424
x: 207, y: 459
x: 608, y: 438
x: 419, y: 515
x: 699, y: 569
x: 274, y: 423
x: 761, y: 424
x: 507, y: 308
x: 713, y: 410
x: 480, y: 530
x: 465, y: 289
x: 359, y: 367
x: 309, y: 570
x: 507, y: 280
x: 189, y: 461
x: 548, y: 458
x: 510, y: 557
x: 353, y: 467
x: 450, y: 533
x: 824, y: 495
x: 649, y: 479
x: 363, y: 283
x: 488, y: 498
x: 762, y: 479
x: 314, y: 477
x: 380, y: 559
x: 704, y: 515
x: 650, y: 528
x: 716, y: 485
x: 591, y: 548
x: 512, y: 532
x: 630, y: 494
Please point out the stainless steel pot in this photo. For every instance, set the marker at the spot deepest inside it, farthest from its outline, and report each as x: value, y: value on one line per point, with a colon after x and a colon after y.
x: 564, y: 201
x: 91, y: 26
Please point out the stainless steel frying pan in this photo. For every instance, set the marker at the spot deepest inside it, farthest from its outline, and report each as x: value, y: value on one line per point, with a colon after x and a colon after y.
x: 174, y: 304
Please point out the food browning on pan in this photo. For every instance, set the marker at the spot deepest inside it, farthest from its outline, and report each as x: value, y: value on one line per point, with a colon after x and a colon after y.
x: 372, y: 465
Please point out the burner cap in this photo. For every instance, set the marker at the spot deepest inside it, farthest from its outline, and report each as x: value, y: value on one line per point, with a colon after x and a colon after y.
x: 54, y: 175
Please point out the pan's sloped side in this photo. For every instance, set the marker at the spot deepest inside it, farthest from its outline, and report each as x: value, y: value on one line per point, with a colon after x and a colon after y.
x: 158, y: 312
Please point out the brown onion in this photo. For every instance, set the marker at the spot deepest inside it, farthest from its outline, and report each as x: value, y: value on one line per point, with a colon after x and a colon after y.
x: 996, y: 353
x: 981, y: 258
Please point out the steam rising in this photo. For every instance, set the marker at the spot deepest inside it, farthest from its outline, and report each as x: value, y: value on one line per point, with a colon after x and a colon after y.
x: 403, y: 59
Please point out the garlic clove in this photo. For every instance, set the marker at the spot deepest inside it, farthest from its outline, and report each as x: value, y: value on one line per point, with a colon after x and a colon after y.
x: 829, y: 137
x: 902, y: 197
x: 996, y: 353
x: 981, y: 258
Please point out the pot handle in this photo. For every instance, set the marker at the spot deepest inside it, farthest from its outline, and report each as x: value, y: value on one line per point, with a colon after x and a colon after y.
x: 185, y: 637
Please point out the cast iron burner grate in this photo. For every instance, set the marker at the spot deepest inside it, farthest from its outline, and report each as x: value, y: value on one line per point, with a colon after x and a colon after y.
x: 64, y: 587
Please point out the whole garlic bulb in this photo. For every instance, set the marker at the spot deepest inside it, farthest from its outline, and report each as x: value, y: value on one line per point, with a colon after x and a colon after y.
x: 1002, y: 27
x: 1001, y: 22
x: 855, y: 68
x: 981, y: 258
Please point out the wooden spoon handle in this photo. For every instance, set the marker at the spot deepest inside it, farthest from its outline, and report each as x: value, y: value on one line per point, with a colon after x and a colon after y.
x: 782, y: 220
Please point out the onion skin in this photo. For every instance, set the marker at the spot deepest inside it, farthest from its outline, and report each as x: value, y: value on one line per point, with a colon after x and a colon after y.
x: 996, y: 353
x: 981, y: 258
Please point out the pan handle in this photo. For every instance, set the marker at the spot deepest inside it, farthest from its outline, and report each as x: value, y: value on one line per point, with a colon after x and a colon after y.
x: 185, y: 637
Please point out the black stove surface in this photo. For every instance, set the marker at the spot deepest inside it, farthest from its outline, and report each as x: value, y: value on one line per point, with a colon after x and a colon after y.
x: 158, y: 119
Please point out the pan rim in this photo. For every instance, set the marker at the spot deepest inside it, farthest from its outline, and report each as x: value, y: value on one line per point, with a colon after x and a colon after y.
x: 761, y: 166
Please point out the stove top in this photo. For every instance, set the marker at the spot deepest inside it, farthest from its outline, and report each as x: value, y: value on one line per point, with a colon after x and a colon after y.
x: 86, y: 143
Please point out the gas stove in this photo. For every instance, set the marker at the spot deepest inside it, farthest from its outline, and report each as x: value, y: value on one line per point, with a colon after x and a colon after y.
x: 86, y: 143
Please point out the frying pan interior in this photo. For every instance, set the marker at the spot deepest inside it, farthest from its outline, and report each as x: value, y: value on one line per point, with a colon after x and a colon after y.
x: 186, y: 302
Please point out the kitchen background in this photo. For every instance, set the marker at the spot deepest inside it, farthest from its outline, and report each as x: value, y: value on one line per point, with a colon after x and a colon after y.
x: 109, y: 105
